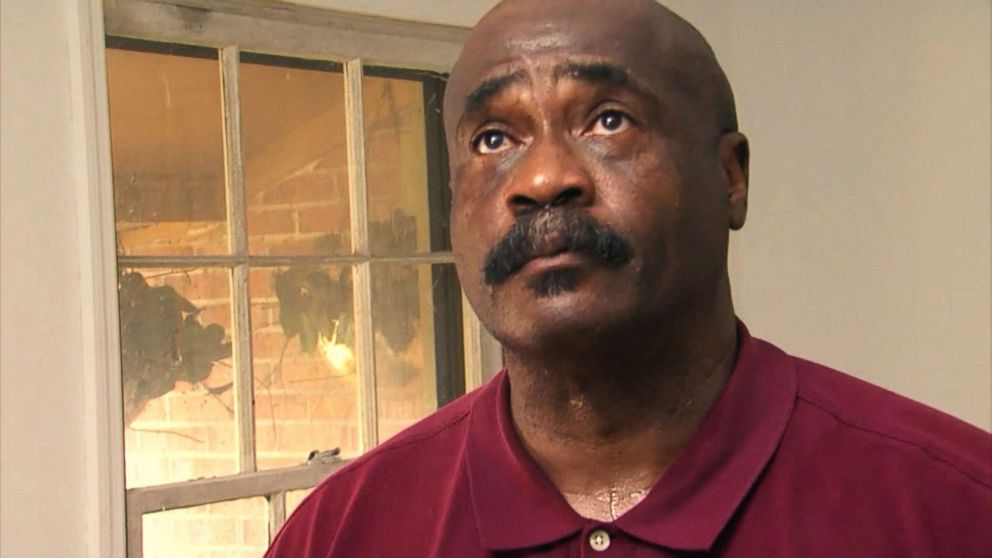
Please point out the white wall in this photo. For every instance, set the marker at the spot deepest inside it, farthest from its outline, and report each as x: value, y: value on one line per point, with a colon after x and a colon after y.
x: 59, y: 408
x: 42, y: 459
x: 867, y: 245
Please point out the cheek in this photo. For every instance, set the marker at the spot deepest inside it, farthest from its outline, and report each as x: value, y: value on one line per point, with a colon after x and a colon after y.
x: 461, y: 233
x: 488, y: 178
x: 478, y: 208
x: 470, y: 226
x: 464, y: 200
x: 643, y: 190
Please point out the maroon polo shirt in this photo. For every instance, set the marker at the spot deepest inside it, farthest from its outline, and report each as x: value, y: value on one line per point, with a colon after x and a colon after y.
x: 794, y: 460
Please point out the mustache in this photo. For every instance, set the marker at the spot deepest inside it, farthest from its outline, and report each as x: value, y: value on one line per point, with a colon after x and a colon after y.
x: 550, y: 232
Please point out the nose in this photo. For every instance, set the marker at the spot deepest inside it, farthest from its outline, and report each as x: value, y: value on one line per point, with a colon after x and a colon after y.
x: 551, y: 174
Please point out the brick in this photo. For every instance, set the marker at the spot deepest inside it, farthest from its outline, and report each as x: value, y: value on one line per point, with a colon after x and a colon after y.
x: 200, y: 407
x: 221, y: 375
x: 222, y: 438
x: 158, y: 534
x: 154, y: 411
x: 210, y: 284
x: 170, y: 438
x: 303, y: 369
x: 195, y: 284
x: 291, y: 245
x: 292, y: 436
x: 388, y: 429
x: 183, y: 386
x: 173, y: 238
x: 280, y: 407
x: 217, y: 248
x: 144, y: 470
x: 264, y: 312
x: 188, y: 468
x: 155, y: 249
x: 303, y: 189
x: 264, y: 370
x: 268, y: 462
x: 336, y: 407
x: 327, y: 219
x: 206, y: 531
x: 303, y: 437
x: 247, y: 508
x: 255, y: 533
x: 264, y: 220
x: 268, y: 344
x: 294, y: 498
x: 261, y: 286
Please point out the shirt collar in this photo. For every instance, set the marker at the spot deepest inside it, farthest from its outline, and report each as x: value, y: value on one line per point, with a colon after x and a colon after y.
x: 517, y: 506
x: 694, y: 500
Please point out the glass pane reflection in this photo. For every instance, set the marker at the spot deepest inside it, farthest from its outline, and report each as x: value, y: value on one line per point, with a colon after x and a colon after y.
x: 167, y: 146
x: 234, y: 529
x: 303, y: 350
x: 177, y: 375
x: 396, y: 165
x: 416, y: 315
x: 293, y: 128
x: 294, y: 498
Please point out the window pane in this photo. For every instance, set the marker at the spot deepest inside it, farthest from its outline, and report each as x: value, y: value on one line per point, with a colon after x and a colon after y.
x: 166, y: 132
x: 416, y: 312
x: 236, y: 529
x: 177, y: 375
x: 396, y: 166
x: 296, y: 163
x: 303, y: 342
x: 294, y: 498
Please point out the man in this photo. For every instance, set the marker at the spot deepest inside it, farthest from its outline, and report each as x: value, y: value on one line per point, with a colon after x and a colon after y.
x: 597, y: 169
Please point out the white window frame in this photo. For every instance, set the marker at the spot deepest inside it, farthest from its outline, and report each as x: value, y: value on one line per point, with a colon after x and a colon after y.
x: 229, y: 26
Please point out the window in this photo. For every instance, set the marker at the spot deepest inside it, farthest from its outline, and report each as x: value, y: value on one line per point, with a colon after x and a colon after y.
x: 286, y: 288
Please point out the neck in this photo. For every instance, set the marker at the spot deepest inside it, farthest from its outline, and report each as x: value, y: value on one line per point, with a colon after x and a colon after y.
x: 606, y: 421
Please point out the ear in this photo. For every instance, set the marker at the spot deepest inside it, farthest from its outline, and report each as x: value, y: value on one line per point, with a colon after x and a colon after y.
x: 735, y: 153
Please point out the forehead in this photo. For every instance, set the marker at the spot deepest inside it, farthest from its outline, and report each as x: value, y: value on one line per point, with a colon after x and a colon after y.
x: 540, y: 41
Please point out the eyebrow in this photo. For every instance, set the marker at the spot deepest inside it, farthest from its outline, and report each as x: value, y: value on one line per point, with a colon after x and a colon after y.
x: 490, y: 88
x: 590, y: 72
x: 599, y: 73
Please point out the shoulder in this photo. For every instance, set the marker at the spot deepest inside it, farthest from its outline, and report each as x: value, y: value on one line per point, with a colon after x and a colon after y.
x: 415, y: 470
x: 411, y: 446
x: 431, y: 443
x: 878, y: 473
x: 874, y: 419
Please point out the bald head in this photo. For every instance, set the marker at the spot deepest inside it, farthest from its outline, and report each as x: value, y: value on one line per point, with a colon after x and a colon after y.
x: 649, y: 42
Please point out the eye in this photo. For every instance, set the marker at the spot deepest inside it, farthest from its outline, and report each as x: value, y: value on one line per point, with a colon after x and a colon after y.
x: 609, y: 122
x: 491, y: 141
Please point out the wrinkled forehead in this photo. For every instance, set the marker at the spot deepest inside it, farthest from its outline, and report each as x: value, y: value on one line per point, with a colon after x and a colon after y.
x: 529, y: 41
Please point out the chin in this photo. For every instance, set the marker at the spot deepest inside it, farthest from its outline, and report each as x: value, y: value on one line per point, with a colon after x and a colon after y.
x: 558, y: 309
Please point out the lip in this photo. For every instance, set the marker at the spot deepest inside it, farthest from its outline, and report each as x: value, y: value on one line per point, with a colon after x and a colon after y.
x: 552, y: 262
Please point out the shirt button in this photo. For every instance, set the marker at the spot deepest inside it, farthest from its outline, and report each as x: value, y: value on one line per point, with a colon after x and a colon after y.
x: 599, y: 540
